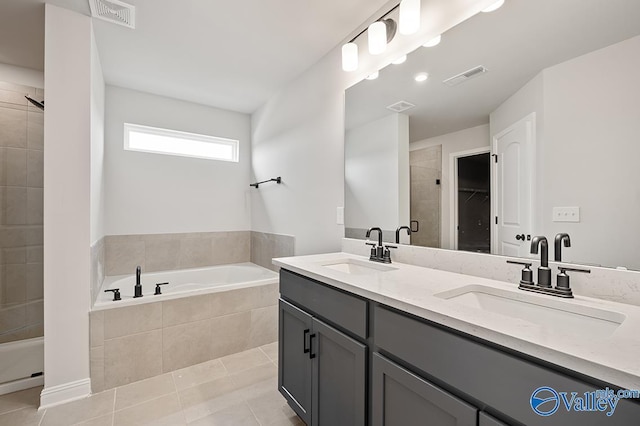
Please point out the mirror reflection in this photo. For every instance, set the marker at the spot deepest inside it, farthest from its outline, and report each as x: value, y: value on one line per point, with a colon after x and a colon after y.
x: 528, y: 124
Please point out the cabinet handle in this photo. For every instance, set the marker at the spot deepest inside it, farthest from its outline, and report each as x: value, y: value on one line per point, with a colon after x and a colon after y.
x: 304, y: 341
x: 311, y: 354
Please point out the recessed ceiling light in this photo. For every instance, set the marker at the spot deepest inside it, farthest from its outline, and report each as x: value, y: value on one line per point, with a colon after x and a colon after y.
x: 433, y: 42
x: 494, y: 6
x: 422, y: 76
x: 401, y: 60
x: 373, y: 76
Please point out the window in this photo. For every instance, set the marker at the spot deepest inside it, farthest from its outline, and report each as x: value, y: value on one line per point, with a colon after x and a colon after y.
x: 173, y: 142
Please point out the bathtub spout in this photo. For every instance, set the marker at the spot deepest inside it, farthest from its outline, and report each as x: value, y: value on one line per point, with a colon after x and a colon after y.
x: 138, y: 287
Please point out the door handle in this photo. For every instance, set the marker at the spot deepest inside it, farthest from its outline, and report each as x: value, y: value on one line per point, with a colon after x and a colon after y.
x: 304, y: 341
x: 417, y: 225
x: 311, y: 354
x: 520, y: 237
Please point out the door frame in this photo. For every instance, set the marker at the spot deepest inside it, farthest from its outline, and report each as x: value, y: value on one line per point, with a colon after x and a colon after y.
x: 453, y: 189
x: 533, y: 197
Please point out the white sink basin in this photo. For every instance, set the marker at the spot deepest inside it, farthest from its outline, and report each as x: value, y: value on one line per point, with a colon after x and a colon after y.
x: 357, y: 267
x: 545, y: 311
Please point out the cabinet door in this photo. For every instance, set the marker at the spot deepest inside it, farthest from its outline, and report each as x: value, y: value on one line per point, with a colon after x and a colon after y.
x: 294, y: 363
x: 339, y: 371
x: 400, y: 397
x: 487, y: 420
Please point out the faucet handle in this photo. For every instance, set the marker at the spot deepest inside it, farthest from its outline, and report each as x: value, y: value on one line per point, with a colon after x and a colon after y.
x: 158, y: 291
x: 116, y: 293
x: 562, y: 281
x: 527, y: 274
x: 387, y: 253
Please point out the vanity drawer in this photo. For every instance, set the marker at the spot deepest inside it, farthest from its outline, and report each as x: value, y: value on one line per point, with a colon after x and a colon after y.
x: 344, y: 310
x: 474, y: 370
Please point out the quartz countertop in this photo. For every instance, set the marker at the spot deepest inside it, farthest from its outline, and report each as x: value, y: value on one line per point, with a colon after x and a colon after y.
x: 613, y: 358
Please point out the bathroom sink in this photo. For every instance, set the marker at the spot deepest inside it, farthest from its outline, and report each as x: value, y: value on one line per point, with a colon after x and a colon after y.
x: 357, y: 267
x: 544, y: 311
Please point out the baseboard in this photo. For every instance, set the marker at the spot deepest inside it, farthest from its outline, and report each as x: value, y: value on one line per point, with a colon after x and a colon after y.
x: 18, y: 385
x: 67, y: 392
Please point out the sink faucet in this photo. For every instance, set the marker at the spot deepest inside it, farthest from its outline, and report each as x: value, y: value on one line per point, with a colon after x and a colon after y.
x: 557, y: 247
x: 379, y: 253
x: 400, y: 228
x: 544, y: 272
x: 138, y: 287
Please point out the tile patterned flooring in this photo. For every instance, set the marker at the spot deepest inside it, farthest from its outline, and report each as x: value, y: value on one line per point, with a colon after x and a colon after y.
x: 235, y: 390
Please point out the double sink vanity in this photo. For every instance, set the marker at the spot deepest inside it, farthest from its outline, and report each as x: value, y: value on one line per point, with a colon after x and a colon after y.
x: 395, y: 344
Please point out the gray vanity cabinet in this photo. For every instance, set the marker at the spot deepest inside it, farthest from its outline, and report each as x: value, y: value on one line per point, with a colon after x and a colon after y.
x: 399, y: 397
x: 486, y: 420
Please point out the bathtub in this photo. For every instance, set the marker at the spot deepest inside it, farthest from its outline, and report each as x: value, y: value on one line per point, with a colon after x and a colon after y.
x: 20, y: 361
x: 182, y: 283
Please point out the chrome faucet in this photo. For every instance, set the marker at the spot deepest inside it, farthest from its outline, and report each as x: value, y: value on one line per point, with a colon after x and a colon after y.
x: 557, y: 246
x: 400, y: 228
x: 379, y: 252
x: 137, y: 289
x: 544, y: 272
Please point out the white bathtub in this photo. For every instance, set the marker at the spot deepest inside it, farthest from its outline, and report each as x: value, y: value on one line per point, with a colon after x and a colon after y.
x: 184, y: 282
x: 18, y: 362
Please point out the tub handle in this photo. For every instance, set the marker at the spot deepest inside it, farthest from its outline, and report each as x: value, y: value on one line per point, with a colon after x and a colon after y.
x: 116, y: 293
x: 304, y: 341
x: 158, y: 288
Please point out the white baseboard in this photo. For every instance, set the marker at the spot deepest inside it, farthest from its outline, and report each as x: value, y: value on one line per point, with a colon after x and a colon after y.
x: 67, y: 392
x: 18, y: 385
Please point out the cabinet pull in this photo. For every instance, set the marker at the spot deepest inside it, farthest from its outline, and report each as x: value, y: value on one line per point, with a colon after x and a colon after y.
x: 311, y: 354
x: 304, y: 341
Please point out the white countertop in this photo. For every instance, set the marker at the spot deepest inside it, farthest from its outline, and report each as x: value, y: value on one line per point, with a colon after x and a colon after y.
x: 614, y: 359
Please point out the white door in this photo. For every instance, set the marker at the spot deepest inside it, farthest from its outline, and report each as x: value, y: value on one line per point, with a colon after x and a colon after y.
x: 514, y: 165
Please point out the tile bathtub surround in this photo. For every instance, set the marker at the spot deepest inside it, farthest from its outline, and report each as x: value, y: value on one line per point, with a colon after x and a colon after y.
x: 137, y: 342
x: 602, y: 283
x: 21, y: 207
x: 162, y: 252
x: 265, y: 247
x: 236, y: 389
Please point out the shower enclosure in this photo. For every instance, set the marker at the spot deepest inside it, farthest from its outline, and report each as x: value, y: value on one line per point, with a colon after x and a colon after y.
x: 21, y: 254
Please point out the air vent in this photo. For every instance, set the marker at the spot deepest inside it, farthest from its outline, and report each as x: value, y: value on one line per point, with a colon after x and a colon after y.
x: 114, y: 11
x: 469, y: 74
x: 400, y: 106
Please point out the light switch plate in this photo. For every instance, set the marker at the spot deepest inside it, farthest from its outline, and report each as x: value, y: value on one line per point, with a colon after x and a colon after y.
x: 566, y: 214
x: 340, y: 215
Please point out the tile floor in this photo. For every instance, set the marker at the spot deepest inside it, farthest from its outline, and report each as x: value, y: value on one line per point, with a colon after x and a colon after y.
x: 236, y: 390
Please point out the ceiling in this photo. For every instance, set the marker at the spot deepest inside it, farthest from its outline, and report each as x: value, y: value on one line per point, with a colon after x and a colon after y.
x: 515, y: 43
x: 233, y: 55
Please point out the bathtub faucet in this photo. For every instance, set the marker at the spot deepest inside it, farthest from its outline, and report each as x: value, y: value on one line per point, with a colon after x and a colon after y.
x: 138, y: 288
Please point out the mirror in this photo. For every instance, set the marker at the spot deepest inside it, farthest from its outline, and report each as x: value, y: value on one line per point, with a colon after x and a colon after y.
x: 528, y: 124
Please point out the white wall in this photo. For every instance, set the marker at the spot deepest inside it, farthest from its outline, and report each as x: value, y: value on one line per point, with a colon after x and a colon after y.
x: 67, y: 160
x: 20, y: 75
x: 97, y: 145
x: 592, y: 134
x: 153, y: 193
x: 463, y: 140
x: 376, y: 155
x: 299, y: 135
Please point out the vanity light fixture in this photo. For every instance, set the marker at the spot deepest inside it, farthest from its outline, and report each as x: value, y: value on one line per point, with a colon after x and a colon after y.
x: 409, y: 16
x: 494, y: 6
x: 433, y: 42
x: 350, y: 57
x: 380, y: 33
x: 421, y: 76
x: 401, y: 60
x: 373, y: 76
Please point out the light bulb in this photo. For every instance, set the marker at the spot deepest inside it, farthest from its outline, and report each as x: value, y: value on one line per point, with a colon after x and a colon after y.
x: 377, y: 34
x: 350, y: 57
x: 433, y: 42
x: 494, y: 6
x: 409, y: 16
x: 420, y: 77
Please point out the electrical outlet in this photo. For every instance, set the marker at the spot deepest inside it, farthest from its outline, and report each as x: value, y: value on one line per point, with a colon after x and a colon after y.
x: 566, y: 214
x: 340, y: 215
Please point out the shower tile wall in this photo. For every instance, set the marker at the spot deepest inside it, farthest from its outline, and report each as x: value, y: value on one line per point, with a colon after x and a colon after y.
x: 21, y: 201
x: 425, y: 169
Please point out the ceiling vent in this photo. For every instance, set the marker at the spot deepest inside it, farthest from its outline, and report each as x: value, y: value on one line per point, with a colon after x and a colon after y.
x: 400, y: 106
x: 114, y: 11
x: 467, y: 75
